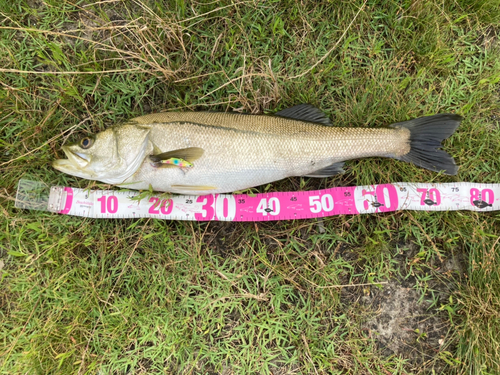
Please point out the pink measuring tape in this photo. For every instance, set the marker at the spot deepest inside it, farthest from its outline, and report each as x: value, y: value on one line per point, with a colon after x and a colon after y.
x: 353, y: 200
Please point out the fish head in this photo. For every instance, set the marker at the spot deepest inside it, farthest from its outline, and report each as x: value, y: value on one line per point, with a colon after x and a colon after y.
x: 110, y: 156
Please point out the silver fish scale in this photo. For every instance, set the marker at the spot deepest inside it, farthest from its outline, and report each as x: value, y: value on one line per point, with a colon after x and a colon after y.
x: 243, y: 151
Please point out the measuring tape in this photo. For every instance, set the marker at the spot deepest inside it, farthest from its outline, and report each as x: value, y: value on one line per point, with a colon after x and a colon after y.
x: 352, y: 200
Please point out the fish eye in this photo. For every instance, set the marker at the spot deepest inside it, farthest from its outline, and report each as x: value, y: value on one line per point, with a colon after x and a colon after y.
x: 86, y: 142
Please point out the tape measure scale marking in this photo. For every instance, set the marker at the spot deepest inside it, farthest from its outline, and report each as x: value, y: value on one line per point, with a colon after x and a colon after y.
x: 280, y: 206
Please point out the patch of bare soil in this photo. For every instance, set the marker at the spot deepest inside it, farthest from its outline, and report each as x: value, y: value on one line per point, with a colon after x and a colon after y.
x: 406, y: 321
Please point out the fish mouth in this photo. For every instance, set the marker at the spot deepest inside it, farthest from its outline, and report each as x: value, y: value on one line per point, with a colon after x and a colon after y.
x: 76, y: 157
x: 74, y: 164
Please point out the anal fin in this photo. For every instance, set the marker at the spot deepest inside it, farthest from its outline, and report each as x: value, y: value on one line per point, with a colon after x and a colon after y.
x: 331, y: 170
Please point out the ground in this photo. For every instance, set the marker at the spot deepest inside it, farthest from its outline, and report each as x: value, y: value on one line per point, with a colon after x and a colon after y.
x: 391, y: 293
x: 406, y: 321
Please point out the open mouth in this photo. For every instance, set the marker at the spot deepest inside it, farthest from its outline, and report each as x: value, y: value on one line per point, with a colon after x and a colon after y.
x: 76, y: 158
x: 74, y: 161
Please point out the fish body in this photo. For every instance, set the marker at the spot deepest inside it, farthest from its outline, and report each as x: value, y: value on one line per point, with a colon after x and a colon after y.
x: 228, y: 152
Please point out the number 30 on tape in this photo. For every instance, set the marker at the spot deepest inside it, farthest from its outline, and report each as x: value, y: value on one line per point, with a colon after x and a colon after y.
x: 279, y: 206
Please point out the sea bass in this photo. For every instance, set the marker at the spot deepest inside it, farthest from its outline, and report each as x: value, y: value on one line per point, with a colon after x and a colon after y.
x: 228, y: 152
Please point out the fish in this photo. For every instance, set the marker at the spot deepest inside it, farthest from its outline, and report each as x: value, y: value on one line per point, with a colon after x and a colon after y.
x: 230, y: 152
x: 482, y: 204
x: 429, y: 202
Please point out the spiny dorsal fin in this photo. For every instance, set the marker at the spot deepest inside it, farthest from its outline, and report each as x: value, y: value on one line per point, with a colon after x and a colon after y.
x: 305, y: 112
x: 331, y: 170
x: 189, y: 154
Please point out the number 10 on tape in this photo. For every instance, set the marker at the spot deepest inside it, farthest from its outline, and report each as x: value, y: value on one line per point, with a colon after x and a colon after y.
x: 350, y: 200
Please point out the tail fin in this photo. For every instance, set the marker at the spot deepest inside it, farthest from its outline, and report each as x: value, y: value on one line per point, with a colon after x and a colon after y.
x: 426, y: 135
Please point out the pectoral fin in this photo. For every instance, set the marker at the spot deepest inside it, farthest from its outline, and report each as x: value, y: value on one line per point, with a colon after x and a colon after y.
x: 189, y: 154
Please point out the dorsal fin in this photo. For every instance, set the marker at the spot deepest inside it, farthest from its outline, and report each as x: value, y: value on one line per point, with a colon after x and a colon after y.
x: 305, y: 112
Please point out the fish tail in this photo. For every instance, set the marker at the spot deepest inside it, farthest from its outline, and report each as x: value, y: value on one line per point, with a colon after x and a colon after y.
x: 426, y: 135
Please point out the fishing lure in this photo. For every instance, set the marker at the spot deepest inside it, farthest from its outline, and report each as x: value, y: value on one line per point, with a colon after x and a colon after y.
x: 177, y: 158
x: 178, y: 162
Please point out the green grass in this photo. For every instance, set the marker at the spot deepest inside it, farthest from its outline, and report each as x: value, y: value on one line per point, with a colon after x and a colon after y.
x: 94, y: 296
